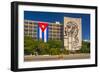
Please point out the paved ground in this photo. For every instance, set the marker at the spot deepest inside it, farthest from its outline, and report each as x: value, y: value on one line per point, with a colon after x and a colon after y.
x: 55, y: 57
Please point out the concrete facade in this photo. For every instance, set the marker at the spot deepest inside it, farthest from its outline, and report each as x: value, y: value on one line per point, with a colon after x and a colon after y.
x: 55, y: 30
x: 72, y: 33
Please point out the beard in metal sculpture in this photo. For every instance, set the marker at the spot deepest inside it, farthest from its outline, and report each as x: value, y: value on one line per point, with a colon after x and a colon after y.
x: 71, y: 31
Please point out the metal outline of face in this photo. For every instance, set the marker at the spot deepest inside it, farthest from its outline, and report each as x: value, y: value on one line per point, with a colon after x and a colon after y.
x: 71, y: 30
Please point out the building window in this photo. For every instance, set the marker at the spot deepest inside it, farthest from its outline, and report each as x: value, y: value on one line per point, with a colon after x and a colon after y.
x: 25, y: 22
x: 30, y: 23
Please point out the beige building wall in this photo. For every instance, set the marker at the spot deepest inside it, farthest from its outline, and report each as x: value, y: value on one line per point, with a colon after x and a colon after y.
x: 72, y: 33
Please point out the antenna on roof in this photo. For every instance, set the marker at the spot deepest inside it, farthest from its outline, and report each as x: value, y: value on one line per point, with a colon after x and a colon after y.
x: 57, y: 22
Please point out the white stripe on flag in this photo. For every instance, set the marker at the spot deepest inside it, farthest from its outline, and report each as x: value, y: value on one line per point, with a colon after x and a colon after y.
x: 40, y: 33
x: 45, y: 35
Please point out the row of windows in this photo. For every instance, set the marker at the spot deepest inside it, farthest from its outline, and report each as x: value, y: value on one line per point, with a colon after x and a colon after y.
x: 50, y: 28
x: 50, y: 35
x: 58, y: 35
x: 35, y: 30
x: 56, y: 29
x: 25, y: 22
x: 30, y: 26
x: 54, y: 25
x: 50, y: 31
x: 49, y: 38
x: 30, y: 30
x: 55, y: 34
x: 26, y: 29
x: 55, y: 38
x: 30, y: 22
x: 31, y: 35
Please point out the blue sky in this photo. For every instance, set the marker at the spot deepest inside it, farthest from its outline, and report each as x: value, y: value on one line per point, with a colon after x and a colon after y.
x: 56, y: 16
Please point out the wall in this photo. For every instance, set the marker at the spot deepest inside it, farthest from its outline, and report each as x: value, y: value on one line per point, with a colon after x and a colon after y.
x: 5, y: 35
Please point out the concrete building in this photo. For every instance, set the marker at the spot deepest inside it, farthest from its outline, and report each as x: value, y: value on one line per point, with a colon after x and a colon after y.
x: 72, y: 33
x: 55, y: 30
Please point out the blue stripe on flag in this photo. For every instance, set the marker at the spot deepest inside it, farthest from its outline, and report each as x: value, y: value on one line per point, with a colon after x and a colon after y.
x: 43, y: 36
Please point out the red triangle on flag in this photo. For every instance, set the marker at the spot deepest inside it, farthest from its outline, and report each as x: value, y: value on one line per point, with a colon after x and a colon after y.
x: 43, y: 25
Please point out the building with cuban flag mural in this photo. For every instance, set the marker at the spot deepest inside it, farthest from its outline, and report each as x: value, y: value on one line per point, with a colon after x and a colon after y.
x: 70, y: 32
x: 43, y: 30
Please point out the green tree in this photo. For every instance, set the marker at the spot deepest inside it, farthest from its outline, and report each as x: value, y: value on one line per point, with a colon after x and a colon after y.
x: 52, y: 47
x: 28, y: 45
x: 55, y: 51
x: 43, y: 47
x: 85, y: 47
x: 55, y: 44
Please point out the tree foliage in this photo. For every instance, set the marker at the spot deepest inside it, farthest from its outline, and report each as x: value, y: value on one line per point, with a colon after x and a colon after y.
x: 85, y: 47
x: 52, y: 47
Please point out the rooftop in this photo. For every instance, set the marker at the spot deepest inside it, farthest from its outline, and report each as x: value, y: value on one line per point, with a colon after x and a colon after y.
x: 57, y: 22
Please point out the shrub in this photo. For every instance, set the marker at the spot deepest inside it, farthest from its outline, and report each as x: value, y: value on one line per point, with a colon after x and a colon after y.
x: 85, y: 47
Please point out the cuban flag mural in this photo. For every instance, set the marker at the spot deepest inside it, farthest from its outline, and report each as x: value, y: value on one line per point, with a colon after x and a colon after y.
x: 43, y: 31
